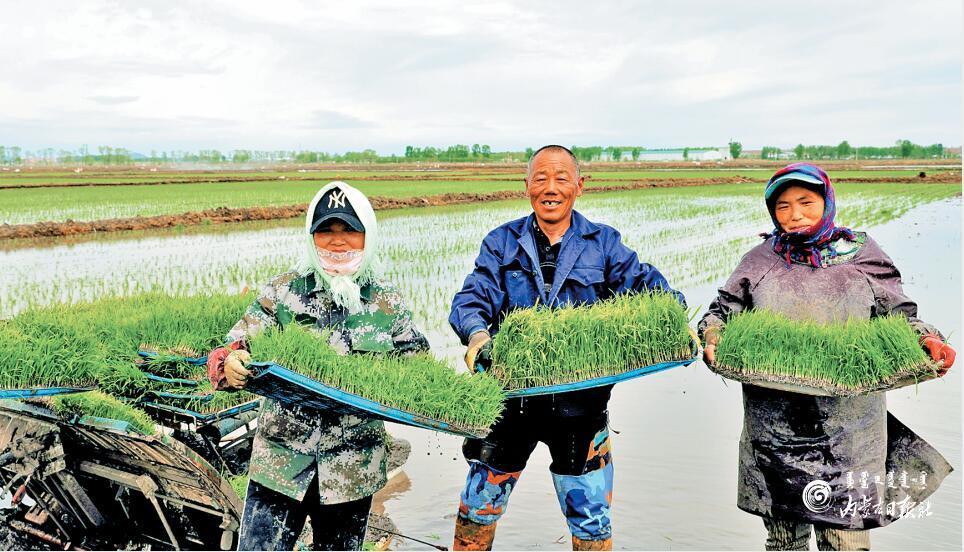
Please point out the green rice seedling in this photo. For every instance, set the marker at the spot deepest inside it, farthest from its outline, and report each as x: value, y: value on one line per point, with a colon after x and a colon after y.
x: 36, y: 355
x: 240, y: 484
x: 170, y: 324
x: 97, y: 342
x: 101, y: 405
x: 419, y: 384
x: 122, y: 379
x: 221, y: 400
x: 173, y: 323
x: 171, y: 364
x: 842, y: 358
x: 537, y: 347
x: 205, y: 399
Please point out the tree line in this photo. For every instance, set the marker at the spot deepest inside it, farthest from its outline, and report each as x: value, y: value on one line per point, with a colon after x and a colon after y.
x: 902, y: 149
x: 109, y: 155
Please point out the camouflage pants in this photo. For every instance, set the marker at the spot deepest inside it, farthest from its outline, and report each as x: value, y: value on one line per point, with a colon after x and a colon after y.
x: 790, y: 535
x: 273, y: 521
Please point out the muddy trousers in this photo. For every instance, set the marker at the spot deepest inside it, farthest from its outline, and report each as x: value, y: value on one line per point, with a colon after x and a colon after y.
x: 582, y: 473
x: 273, y: 521
x: 790, y: 535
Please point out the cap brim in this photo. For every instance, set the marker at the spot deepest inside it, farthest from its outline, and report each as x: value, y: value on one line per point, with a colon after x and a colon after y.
x: 792, y: 177
x: 351, y: 221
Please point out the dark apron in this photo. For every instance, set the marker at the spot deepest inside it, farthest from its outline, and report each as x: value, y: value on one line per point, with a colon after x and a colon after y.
x: 842, y: 462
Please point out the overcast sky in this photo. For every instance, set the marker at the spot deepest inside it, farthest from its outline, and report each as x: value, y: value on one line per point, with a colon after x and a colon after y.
x: 284, y: 74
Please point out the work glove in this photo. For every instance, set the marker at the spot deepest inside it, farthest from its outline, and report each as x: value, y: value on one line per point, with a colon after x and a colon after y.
x: 939, y: 351
x: 711, y: 337
x: 478, y: 355
x: 234, y: 369
x: 694, y: 336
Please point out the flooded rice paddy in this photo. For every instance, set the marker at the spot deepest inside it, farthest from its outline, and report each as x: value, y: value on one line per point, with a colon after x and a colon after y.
x: 676, y: 448
x: 57, y: 198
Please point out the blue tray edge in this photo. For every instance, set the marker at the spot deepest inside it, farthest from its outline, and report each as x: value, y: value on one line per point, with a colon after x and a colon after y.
x: 381, y: 411
x: 42, y: 392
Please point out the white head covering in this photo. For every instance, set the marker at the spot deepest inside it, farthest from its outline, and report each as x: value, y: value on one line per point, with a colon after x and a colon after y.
x: 345, y: 290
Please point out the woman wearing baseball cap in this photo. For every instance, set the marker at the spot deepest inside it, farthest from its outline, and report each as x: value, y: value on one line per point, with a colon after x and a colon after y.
x: 847, y: 451
x: 307, y: 462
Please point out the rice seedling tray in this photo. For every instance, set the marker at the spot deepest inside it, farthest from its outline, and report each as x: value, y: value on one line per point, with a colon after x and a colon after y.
x: 43, y: 411
x: 600, y: 381
x: 172, y: 381
x: 175, y: 414
x: 32, y: 392
x: 840, y: 359
x: 153, y: 355
x: 277, y: 382
x: 104, y: 423
x: 181, y: 396
x: 826, y: 389
x: 539, y: 351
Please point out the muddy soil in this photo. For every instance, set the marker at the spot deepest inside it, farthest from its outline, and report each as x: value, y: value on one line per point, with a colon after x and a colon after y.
x: 227, y: 215
x: 493, y: 175
x: 92, y: 171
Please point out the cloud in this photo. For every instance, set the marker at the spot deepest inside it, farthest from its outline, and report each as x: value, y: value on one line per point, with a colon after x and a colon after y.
x: 378, y: 74
x: 326, y: 120
x: 112, y: 100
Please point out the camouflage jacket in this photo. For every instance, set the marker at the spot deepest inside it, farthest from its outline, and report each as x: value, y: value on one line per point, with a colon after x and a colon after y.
x: 292, y: 444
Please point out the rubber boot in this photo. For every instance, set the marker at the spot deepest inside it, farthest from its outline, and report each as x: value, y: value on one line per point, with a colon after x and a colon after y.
x: 473, y: 536
x: 579, y: 544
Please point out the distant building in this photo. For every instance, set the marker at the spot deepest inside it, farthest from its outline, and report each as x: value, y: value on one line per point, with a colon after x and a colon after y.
x: 758, y: 154
x: 674, y: 154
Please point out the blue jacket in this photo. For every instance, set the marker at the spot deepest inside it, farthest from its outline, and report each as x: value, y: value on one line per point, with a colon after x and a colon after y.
x: 593, y: 264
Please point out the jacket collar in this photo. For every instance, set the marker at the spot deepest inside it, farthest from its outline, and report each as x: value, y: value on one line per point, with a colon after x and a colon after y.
x: 580, y: 225
x: 572, y: 245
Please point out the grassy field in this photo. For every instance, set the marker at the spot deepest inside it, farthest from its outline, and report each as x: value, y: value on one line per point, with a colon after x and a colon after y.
x: 88, y: 203
x: 58, y: 204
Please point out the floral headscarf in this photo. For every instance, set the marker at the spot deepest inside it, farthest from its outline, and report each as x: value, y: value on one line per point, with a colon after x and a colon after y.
x: 808, y: 246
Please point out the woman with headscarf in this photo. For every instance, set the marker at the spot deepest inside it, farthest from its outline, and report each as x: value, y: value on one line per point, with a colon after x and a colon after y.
x: 835, y: 465
x: 308, y: 462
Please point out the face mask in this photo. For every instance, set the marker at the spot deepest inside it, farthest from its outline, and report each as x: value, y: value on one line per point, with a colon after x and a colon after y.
x: 340, y: 264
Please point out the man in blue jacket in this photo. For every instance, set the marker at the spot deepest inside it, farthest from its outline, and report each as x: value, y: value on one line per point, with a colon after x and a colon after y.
x: 552, y: 257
